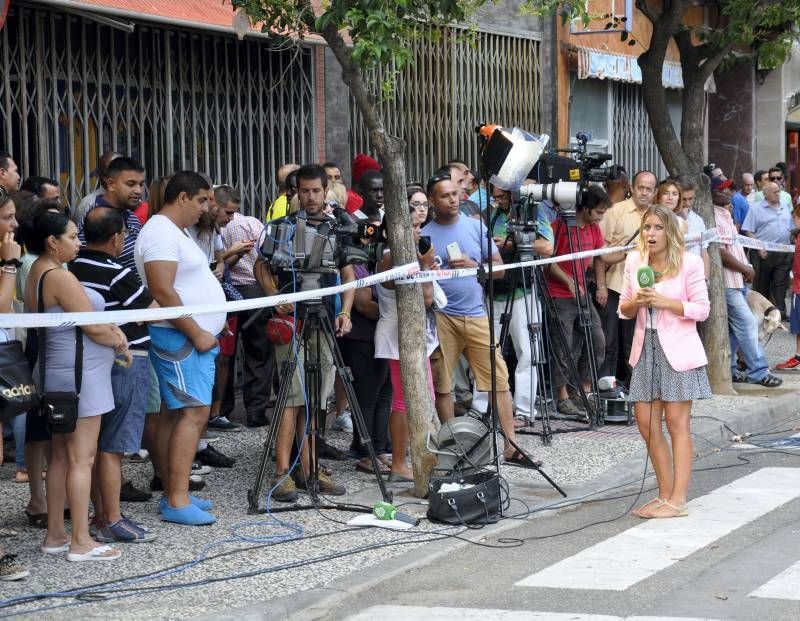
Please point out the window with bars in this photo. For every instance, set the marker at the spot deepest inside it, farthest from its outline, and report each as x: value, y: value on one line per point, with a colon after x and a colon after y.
x: 454, y: 85
x: 174, y: 98
x: 633, y: 144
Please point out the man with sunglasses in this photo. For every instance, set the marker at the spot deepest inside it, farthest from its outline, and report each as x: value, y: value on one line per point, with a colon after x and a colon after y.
x: 776, y: 176
x: 770, y: 220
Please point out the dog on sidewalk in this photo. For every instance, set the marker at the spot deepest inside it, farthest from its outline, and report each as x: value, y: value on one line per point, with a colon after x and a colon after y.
x: 767, y: 316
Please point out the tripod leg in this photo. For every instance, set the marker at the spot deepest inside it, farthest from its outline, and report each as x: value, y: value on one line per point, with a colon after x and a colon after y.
x: 287, y: 374
x: 536, y: 345
x: 358, y: 417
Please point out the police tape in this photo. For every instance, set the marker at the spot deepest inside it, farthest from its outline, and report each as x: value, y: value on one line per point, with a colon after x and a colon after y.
x: 59, y: 320
x: 406, y: 274
x: 706, y: 236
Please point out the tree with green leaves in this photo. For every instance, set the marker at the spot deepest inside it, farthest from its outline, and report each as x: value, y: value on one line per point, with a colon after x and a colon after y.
x: 761, y: 31
x: 363, y: 35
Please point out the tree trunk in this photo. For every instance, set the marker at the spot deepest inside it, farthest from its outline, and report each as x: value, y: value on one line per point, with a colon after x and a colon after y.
x: 685, y: 157
x: 410, y: 305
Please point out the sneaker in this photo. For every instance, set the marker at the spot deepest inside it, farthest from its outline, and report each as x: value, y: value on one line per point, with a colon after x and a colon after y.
x: 327, y: 485
x: 285, y: 489
x: 96, y: 523
x: 196, y: 483
x: 201, y: 469
x: 221, y: 423
x: 140, y: 457
x: 124, y: 531
x: 567, y: 407
x: 129, y: 493
x: 12, y: 569
x: 791, y: 364
x: 343, y: 422
x: 212, y: 457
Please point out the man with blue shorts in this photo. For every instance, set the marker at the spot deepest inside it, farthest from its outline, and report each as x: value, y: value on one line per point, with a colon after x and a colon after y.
x: 96, y: 267
x: 182, y: 351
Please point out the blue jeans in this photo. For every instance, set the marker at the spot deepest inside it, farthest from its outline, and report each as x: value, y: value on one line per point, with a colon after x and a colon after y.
x: 743, y: 331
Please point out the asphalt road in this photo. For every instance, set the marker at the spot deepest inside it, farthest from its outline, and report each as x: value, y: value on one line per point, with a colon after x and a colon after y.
x: 729, y: 547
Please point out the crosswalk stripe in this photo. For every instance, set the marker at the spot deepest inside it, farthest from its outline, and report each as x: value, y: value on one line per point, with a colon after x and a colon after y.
x: 638, y: 553
x: 786, y: 585
x: 423, y: 613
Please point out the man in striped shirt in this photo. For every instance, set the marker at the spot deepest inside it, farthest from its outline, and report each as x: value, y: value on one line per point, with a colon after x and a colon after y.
x: 124, y: 188
x: 736, y: 271
x: 97, y: 267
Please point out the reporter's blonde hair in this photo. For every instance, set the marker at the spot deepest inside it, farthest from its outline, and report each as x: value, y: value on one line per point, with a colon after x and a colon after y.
x: 675, y: 243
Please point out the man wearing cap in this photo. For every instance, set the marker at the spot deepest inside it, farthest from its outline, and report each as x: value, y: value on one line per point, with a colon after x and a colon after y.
x: 771, y: 221
x: 742, y: 325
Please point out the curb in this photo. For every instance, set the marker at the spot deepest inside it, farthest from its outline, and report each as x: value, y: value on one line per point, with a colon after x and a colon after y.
x: 316, y: 603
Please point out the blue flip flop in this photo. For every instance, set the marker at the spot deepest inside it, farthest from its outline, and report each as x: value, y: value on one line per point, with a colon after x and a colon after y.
x: 190, y: 515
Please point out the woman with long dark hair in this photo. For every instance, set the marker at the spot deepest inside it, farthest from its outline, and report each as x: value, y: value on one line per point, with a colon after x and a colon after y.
x: 54, y: 237
x: 667, y: 354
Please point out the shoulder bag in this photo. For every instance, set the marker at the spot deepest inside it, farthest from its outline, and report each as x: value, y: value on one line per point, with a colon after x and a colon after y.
x: 18, y: 393
x: 60, y: 409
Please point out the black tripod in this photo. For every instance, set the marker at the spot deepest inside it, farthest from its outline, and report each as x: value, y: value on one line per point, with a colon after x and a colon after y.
x: 316, y: 328
x: 584, y: 302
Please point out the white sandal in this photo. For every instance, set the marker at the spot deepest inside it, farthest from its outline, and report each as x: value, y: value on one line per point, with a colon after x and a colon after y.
x: 54, y: 549
x: 95, y: 554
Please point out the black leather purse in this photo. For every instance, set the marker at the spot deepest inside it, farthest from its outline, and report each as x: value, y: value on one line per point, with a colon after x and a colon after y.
x: 474, y: 506
x: 60, y: 409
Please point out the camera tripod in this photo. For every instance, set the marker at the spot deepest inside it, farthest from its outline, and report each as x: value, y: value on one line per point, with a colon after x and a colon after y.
x: 316, y: 332
x: 531, y: 279
x: 584, y: 303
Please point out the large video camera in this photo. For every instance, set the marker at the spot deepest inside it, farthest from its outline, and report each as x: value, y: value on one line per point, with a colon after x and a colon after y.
x: 562, y: 180
x: 319, y: 244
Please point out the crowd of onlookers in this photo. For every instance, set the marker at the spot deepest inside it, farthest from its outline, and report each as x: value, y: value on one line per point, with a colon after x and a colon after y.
x: 170, y: 387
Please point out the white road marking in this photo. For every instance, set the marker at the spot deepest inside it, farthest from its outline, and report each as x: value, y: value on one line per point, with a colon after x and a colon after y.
x: 423, y: 613
x: 786, y: 585
x: 638, y: 553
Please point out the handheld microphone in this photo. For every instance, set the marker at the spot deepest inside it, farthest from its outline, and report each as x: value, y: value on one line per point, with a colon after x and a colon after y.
x: 645, y: 276
x: 387, y: 511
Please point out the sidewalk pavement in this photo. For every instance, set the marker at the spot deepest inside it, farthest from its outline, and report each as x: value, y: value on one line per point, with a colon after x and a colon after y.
x: 332, y: 557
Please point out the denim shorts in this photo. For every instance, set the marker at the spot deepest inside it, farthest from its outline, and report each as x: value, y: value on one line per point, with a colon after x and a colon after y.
x: 185, y: 375
x: 121, y: 429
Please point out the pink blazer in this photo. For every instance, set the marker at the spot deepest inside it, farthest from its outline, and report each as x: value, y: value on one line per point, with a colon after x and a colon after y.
x: 677, y: 335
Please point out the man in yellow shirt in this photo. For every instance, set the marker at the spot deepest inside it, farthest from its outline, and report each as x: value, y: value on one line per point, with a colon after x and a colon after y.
x: 280, y: 206
x: 621, y: 226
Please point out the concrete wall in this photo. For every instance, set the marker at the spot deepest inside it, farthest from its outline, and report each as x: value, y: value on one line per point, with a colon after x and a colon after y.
x: 771, y: 110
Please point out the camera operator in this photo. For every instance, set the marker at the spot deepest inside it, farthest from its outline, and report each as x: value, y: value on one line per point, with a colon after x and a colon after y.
x: 312, y: 182
x: 525, y: 378
x: 561, y: 279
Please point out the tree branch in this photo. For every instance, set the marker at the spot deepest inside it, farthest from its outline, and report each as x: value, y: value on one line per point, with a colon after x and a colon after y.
x: 712, y: 62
